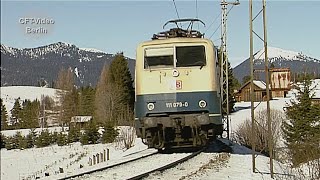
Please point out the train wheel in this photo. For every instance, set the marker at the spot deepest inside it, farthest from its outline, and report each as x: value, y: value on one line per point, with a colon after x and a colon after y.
x: 157, y: 140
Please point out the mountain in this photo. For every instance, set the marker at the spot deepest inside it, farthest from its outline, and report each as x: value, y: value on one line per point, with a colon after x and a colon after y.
x: 280, y: 58
x: 31, y: 66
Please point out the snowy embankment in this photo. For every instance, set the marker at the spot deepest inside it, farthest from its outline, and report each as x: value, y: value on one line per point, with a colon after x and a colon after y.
x: 10, y: 93
x: 25, y: 132
x: 35, y: 162
x: 234, y: 166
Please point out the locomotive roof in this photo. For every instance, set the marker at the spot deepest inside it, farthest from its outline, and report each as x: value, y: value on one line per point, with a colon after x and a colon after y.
x: 175, y: 40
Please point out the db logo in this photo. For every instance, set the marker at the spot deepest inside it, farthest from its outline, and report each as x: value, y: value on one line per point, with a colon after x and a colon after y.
x: 178, y: 84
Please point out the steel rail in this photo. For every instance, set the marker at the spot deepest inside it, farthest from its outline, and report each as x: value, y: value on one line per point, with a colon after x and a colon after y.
x: 168, y: 166
x: 106, y: 167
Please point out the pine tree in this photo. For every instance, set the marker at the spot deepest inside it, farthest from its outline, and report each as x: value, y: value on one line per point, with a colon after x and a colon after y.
x: 20, y: 141
x: 74, y: 134
x: 3, y: 141
x: 30, y: 114
x: 109, y: 134
x: 91, y: 134
x: 10, y: 143
x: 302, y: 130
x: 31, y: 137
x: 4, y: 116
x: 86, y: 101
x: 233, y: 85
x: 61, y: 139
x: 122, y: 83
x: 16, y: 114
x: 25, y: 114
x: 120, y: 76
x: 44, y: 139
x: 70, y: 105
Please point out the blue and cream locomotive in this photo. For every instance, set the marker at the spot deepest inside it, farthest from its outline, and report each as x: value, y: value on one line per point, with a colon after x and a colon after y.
x: 177, y: 89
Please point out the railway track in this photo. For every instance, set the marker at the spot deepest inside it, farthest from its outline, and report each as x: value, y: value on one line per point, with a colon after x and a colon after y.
x: 109, y: 166
x: 142, y: 167
x: 168, y: 166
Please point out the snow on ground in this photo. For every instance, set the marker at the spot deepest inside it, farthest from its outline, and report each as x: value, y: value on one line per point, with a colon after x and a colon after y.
x: 35, y: 162
x: 243, y: 109
x: 234, y: 166
x: 25, y: 132
x: 10, y: 93
x: 16, y: 164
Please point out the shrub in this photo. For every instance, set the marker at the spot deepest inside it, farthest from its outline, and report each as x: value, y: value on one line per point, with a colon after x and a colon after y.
x: 61, y: 139
x: 243, y: 135
x: 109, y: 134
x: 20, y: 141
x: 91, y: 134
x: 74, y: 134
x: 3, y: 141
x: 44, y: 139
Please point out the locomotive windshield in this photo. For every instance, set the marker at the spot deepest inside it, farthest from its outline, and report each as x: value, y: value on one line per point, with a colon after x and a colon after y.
x: 186, y: 56
x: 190, y: 56
x: 158, y: 58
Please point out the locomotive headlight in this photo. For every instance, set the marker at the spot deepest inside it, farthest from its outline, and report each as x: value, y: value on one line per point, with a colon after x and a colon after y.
x: 150, y: 106
x: 202, y: 103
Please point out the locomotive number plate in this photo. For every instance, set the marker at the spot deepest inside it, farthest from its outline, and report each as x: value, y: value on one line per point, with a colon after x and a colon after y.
x: 176, y: 104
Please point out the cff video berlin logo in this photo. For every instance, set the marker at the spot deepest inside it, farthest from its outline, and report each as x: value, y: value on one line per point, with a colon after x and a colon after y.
x: 36, y: 25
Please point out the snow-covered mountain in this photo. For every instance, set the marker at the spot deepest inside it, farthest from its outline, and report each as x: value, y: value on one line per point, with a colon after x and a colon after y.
x: 30, y: 66
x: 276, y: 54
x: 280, y: 58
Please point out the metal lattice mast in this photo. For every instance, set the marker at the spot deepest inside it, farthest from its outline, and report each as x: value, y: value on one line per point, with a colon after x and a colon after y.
x: 224, y: 70
x: 224, y: 67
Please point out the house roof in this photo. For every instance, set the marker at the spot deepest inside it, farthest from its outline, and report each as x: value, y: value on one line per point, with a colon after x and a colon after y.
x: 81, y: 118
x: 260, y: 84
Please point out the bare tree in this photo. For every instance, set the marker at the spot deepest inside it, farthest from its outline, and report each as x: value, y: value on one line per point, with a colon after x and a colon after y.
x: 127, y: 135
x: 243, y: 133
x: 66, y: 95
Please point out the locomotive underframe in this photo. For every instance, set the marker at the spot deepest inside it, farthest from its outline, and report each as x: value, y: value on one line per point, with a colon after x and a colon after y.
x: 178, y: 130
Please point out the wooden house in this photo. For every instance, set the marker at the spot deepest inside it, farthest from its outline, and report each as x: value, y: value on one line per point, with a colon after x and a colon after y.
x: 260, y: 93
x: 80, y: 120
x: 280, y: 81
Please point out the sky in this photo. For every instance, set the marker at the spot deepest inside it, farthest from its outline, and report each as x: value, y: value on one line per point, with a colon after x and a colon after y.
x: 119, y: 26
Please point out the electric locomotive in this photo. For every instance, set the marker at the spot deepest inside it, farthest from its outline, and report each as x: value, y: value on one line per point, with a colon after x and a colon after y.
x: 177, y: 89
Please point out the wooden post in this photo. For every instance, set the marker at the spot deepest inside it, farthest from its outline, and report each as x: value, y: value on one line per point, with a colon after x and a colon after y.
x: 108, y: 157
x: 104, y: 155
x: 94, y: 159
x: 101, y: 157
x: 98, y: 158
x: 90, y: 161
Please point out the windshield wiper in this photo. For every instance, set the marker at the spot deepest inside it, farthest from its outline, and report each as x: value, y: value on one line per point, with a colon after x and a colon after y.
x: 200, y: 63
x: 146, y: 63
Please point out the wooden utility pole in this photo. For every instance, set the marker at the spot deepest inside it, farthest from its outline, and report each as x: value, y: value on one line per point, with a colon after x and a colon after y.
x: 253, y: 123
